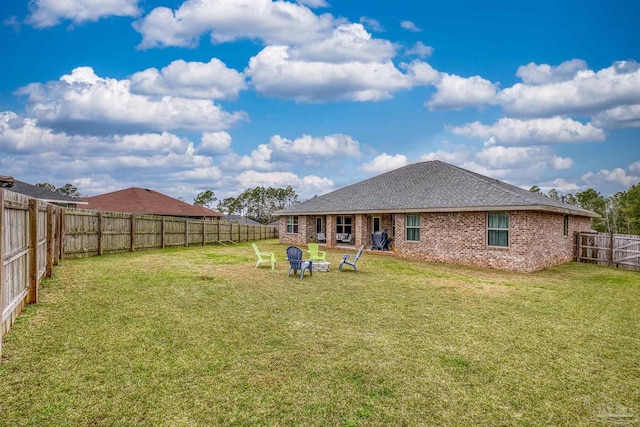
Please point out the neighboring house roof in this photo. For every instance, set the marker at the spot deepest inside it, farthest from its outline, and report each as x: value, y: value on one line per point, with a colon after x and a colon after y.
x: 145, y: 201
x: 241, y: 219
x: 432, y: 186
x: 43, y: 194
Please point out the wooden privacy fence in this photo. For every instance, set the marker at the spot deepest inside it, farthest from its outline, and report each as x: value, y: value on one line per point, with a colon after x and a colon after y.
x: 29, y: 247
x: 90, y: 233
x: 618, y: 250
x: 34, y: 235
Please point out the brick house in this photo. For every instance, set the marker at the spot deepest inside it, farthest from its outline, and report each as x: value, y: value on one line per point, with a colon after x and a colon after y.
x: 435, y: 211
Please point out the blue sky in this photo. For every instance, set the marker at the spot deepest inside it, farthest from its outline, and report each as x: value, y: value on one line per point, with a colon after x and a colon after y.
x: 185, y: 96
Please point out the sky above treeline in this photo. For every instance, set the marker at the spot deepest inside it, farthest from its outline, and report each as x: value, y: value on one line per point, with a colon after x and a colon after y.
x: 225, y: 95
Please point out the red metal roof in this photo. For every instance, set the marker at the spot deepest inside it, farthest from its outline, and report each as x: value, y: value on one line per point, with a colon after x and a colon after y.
x: 145, y: 201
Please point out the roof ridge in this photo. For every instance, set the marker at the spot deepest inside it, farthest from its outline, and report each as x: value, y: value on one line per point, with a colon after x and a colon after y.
x: 491, y: 181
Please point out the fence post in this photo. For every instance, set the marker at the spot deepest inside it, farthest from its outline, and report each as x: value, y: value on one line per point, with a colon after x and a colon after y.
x: 49, y: 269
x: 133, y: 233
x: 63, y: 212
x: 204, y: 232
x: 100, y: 233
x: 186, y: 231
x: 56, y: 235
x: 162, y: 239
x: 611, y: 250
x: 33, y: 252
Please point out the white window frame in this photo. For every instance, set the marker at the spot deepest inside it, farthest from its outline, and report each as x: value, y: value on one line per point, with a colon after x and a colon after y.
x: 341, y: 222
x: 498, y: 229
x: 412, y: 227
x: 292, y: 224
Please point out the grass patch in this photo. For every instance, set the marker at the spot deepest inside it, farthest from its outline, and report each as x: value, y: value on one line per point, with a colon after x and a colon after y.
x: 198, y: 336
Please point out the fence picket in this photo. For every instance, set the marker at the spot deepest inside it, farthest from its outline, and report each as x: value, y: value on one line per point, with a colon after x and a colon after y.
x: 619, y: 250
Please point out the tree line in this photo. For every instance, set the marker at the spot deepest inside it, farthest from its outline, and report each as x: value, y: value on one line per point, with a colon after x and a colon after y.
x: 619, y: 213
x: 67, y: 189
x: 257, y: 203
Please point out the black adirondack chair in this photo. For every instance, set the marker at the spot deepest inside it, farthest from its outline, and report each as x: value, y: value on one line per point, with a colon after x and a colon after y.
x: 294, y: 256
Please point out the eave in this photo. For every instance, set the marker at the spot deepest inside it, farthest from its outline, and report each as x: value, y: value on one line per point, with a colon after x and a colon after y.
x: 540, y: 208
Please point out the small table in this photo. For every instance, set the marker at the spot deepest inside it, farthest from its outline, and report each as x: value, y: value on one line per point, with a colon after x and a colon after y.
x: 321, y: 266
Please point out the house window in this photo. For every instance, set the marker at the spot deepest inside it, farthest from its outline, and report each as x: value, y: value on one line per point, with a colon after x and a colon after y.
x: 413, y: 227
x: 319, y: 225
x: 498, y: 229
x: 565, y: 225
x: 343, y: 224
x: 292, y: 224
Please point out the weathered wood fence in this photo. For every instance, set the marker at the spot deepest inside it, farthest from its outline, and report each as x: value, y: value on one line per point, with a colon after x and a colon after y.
x: 617, y: 250
x: 29, y: 247
x: 35, y: 235
x: 90, y: 233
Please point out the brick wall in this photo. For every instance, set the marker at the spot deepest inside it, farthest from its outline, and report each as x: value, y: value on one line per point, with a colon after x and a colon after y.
x: 536, y: 240
x: 299, y: 238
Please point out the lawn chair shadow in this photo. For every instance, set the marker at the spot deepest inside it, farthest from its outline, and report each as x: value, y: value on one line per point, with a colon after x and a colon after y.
x: 264, y: 257
x: 315, y: 254
x: 351, y: 260
x: 294, y: 256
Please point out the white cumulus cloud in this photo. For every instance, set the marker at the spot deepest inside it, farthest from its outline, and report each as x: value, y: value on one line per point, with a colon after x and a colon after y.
x: 410, y: 26
x: 83, y: 102
x: 560, y: 163
x: 420, y: 49
x: 212, y: 80
x: 383, y: 163
x: 347, y: 43
x: 588, y: 92
x: 273, y: 22
x: 337, y: 145
x: 47, y: 13
x: 509, y: 131
x: 18, y: 134
x: 534, y: 74
x: 455, y: 92
x: 215, y: 143
x: 372, y: 24
x: 274, y: 73
x: 626, y: 116
x: 306, y: 186
x: 617, y: 175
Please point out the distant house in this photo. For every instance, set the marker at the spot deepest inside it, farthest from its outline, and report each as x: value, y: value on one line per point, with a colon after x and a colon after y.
x: 439, y: 212
x: 240, y: 219
x: 39, y: 193
x: 146, y: 201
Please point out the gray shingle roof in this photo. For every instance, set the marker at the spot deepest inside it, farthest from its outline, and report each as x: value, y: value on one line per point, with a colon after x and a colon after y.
x: 42, y: 193
x: 240, y: 219
x: 432, y: 186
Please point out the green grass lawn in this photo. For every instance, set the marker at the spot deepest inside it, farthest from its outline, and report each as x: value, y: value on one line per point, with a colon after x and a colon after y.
x: 197, y: 336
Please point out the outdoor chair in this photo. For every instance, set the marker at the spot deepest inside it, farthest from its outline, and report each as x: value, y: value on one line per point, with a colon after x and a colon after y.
x: 263, y: 257
x: 351, y: 260
x: 315, y: 254
x: 294, y: 256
